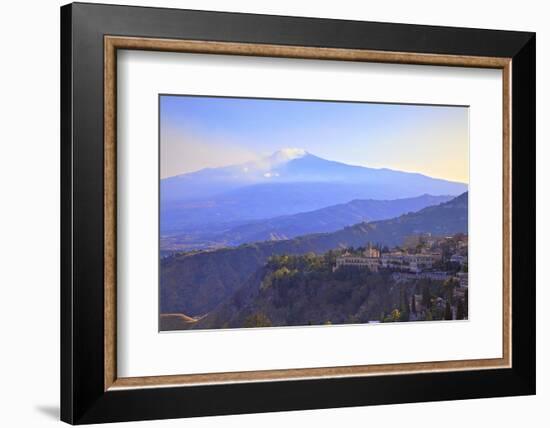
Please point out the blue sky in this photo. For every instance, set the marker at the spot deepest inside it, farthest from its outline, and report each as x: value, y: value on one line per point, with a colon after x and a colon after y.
x: 200, y: 132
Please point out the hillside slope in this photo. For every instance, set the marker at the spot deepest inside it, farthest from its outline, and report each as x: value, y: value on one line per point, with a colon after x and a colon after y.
x: 303, y: 290
x: 195, y: 283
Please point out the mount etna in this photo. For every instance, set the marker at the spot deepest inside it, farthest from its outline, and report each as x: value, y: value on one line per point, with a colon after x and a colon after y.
x: 234, y: 204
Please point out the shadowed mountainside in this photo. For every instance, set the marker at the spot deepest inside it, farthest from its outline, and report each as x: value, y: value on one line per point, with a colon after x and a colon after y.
x: 304, y: 290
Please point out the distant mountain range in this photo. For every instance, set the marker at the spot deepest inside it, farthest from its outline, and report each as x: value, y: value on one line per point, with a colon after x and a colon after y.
x: 327, y: 219
x: 289, y: 181
x: 196, y: 283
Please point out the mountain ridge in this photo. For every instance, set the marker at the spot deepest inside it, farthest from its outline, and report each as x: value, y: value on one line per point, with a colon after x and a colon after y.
x: 268, y: 188
x: 288, y: 226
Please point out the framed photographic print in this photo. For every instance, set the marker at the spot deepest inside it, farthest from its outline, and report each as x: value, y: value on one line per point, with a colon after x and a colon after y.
x: 265, y: 213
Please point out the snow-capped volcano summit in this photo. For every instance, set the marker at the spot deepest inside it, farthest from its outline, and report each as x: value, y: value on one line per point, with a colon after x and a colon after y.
x: 266, y: 165
x: 287, y: 154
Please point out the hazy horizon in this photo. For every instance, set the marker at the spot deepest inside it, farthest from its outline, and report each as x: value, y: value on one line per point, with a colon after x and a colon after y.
x: 297, y: 148
x: 209, y: 132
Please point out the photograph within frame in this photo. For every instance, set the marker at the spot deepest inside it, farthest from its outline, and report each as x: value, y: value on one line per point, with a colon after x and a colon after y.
x: 112, y: 381
x: 258, y: 232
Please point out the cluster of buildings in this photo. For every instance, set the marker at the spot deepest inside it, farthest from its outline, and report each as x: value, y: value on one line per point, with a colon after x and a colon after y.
x: 418, y: 263
x: 369, y: 259
x: 395, y: 260
x: 436, y: 258
x: 414, y: 263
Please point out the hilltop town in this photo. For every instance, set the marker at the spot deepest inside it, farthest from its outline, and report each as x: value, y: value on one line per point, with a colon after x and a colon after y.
x: 421, y: 257
x: 424, y: 279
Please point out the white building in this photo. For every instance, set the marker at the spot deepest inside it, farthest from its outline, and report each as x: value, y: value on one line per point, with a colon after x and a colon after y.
x: 373, y: 263
x: 397, y: 261
x: 408, y: 262
x: 393, y: 260
x: 420, y: 262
